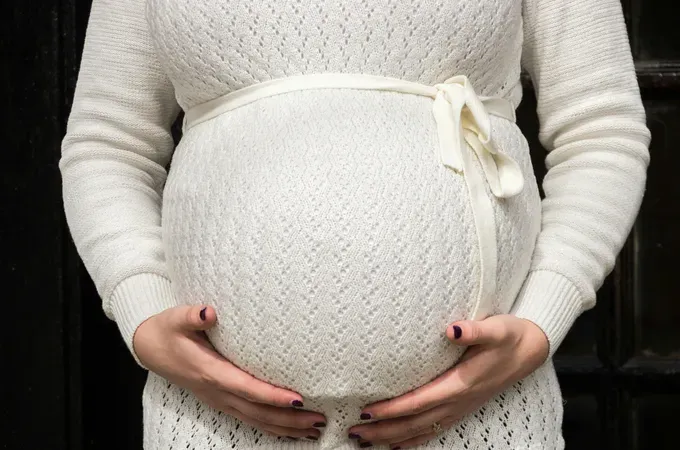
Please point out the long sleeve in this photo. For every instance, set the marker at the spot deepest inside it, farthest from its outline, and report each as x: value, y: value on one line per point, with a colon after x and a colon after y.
x: 114, y: 154
x: 592, y: 122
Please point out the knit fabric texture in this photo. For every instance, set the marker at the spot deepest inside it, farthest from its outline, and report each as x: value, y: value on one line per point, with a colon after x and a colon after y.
x: 320, y: 224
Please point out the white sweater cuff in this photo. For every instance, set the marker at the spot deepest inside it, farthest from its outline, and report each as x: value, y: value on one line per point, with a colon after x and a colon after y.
x: 552, y: 302
x: 137, y: 298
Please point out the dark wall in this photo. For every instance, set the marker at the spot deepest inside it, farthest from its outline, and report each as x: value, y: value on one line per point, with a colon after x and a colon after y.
x: 69, y: 382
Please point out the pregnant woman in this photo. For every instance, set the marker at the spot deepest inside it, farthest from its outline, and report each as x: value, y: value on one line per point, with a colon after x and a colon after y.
x: 348, y: 248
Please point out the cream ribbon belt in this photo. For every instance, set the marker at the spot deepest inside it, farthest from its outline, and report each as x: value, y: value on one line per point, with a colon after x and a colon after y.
x: 464, y: 129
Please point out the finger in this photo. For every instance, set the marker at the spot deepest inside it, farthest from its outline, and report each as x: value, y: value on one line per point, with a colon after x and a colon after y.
x: 221, y: 374
x: 192, y: 318
x: 425, y: 437
x: 413, y: 442
x: 476, y: 332
x: 276, y: 430
x: 441, y: 390
x: 284, y: 417
x: 386, y: 431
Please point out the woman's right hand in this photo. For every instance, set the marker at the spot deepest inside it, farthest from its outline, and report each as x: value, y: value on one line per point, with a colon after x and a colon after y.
x: 173, y: 345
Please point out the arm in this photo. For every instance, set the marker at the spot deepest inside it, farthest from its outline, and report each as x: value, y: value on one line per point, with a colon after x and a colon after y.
x: 592, y: 122
x: 117, y: 144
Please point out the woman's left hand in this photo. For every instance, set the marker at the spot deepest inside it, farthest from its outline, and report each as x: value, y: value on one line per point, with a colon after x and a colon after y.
x: 503, y: 350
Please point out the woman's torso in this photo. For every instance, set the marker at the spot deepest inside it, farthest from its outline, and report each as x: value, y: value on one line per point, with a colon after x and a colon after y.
x: 320, y: 224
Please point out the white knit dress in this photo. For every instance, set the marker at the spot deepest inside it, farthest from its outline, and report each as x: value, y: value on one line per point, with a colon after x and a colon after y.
x: 320, y: 224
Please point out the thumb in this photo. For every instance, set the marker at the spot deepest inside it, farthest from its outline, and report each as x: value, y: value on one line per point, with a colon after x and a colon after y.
x: 476, y: 332
x: 193, y: 318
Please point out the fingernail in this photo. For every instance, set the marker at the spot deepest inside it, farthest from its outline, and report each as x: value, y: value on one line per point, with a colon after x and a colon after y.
x: 396, y: 448
x: 297, y: 403
x: 314, y: 438
x: 319, y: 425
x: 354, y: 436
x: 365, y: 444
x: 365, y: 416
x: 202, y: 314
x: 457, y: 332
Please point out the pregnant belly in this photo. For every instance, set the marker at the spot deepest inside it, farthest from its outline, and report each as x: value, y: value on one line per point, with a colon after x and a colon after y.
x: 335, y: 253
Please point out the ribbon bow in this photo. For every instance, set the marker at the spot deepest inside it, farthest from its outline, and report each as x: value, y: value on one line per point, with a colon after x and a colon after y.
x: 463, y: 117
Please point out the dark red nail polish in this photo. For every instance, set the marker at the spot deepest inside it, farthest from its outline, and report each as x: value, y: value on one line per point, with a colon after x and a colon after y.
x: 365, y: 444
x: 297, y: 403
x: 319, y: 425
x: 457, y: 332
x: 314, y: 438
x: 354, y: 436
x: 365, y: 416
x: 202, y: 314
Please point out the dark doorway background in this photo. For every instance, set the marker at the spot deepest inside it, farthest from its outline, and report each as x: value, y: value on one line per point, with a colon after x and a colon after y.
x: 69, y: 381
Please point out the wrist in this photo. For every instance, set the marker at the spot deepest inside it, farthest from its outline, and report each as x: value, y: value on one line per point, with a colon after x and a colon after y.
x: 538, y: 342
x: 550, y: 301
x: 135, y: 300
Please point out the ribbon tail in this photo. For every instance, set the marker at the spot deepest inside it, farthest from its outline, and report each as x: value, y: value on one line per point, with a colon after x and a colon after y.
x: 509, y: 174
x: 503, y: 174
x: 450, y: 140
x: 485, y: 224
